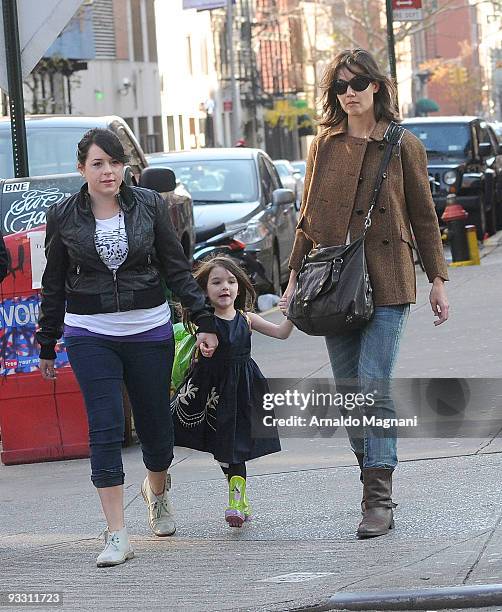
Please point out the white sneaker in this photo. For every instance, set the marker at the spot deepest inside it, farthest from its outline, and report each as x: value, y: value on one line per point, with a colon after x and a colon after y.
x: 117, y: 549
x: 160, y: 509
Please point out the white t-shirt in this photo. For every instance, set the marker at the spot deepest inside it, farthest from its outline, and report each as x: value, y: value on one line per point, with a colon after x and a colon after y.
x: 112, y: 246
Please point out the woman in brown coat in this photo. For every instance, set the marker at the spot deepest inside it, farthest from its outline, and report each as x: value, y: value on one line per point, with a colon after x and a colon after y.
x: 358, y: 104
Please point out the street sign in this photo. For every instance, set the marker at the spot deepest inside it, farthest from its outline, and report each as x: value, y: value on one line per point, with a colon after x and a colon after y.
x: 407, y: 10
x: 204, y: 5
x: 39, y: 25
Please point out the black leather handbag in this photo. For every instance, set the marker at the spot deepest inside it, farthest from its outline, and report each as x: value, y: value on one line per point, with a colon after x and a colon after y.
x: 333, y: 294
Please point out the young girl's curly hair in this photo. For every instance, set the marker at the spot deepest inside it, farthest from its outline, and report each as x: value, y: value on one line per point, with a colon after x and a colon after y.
x: 246, y: 294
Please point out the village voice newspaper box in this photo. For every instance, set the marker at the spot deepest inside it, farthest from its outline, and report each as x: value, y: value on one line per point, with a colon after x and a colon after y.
x: 39, y: 420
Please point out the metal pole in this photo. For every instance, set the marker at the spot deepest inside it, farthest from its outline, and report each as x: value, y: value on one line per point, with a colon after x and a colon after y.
x: 233, y: 82
x: 15, y: 80
x: 391, y: 45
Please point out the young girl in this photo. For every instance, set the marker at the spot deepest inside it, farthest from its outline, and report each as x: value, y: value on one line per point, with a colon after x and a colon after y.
x: 219, y: 408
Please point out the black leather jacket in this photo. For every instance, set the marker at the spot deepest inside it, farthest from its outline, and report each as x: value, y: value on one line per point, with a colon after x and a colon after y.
x: 3, y: 259
x: 76, y: 277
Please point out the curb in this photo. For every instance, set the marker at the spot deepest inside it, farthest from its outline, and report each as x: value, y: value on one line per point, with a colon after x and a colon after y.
x: 491, y: 244
x: 440, y: 598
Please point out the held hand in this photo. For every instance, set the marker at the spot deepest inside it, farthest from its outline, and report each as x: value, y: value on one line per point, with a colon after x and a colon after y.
x: 207, y: 343
x: 47, y: 369
x: 283, y: 304
x: 439, y: 301
x: 287, y: 295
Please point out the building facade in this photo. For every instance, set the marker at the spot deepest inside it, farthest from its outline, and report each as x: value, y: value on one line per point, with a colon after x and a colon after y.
x: 192, y: 106
x: 104, y: 63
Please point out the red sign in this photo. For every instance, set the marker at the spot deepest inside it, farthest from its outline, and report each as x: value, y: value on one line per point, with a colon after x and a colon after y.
x: 406, y: 4
x: 227, y: 105
x: 407, y: 10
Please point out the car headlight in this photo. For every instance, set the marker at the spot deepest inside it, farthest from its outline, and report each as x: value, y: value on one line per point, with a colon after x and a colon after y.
x: 450, y: 177
x: 255, y: 231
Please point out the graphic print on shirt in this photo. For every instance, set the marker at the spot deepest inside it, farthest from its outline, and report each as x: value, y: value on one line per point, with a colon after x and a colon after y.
x: 111, y: 241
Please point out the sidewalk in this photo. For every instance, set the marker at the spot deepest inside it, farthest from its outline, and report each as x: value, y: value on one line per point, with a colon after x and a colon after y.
x: 301, y: 548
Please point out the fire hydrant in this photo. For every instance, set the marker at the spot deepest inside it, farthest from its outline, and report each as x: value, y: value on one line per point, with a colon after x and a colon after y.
x: 454, y: 216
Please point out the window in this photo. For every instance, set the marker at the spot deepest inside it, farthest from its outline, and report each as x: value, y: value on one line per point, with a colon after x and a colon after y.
x: 157, y: 130
x: 193, y: 135
x: 189, y: 54
x: 449, y: 139
x: 130, y: 123
x: 483, y: 133
x: 182, y: 136
x: 143, y: 131
x: 50, y: 151
x: 203, y: 57
x: 276, y: 181
x: 224, y: 181
x: 137, y: 34
x: 202, y: 132
x: 152, y: 36
x: 266, y: 180
x: 171, y: 138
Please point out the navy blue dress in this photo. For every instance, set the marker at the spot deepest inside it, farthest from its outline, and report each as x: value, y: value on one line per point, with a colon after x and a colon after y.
x: 219, y: 408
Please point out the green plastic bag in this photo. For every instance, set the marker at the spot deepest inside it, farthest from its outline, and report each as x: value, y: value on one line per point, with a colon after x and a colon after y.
x: 183, y: 355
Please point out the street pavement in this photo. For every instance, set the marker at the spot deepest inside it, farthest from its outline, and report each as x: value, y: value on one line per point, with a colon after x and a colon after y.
x: 300, y: 549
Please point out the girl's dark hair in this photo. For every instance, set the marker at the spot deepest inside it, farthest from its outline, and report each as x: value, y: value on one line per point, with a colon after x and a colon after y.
x: 246, y: 293
x: 357, y: 61
x: 104, y: 139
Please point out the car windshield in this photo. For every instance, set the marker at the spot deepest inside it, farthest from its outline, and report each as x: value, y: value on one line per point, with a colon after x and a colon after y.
x: 222, y: 181
x: 449, y: 139
x: 50, y: 150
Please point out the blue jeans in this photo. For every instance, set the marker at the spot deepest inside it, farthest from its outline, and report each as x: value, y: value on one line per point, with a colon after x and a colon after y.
x: 101, y: 367
x: 362, y: 361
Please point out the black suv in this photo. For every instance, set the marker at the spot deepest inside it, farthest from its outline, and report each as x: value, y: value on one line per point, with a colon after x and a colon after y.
x: 463, y: 155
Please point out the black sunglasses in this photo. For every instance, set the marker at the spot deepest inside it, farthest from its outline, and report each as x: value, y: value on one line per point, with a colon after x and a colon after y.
x: 357, y: 83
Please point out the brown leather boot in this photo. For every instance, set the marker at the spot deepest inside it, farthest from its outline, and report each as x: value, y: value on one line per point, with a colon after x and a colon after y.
x: 377, y: 514
x: 360, y: 459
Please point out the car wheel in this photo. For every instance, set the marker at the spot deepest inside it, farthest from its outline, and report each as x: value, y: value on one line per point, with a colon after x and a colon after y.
x: 276, y: 274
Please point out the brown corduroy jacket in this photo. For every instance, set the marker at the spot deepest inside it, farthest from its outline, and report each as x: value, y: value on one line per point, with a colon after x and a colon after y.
x: 340, y: 177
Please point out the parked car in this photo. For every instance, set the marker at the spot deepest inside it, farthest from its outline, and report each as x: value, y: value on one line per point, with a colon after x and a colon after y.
x: 240, y: 185
x: 497, y: 128
x: 52, y: 147
x: 464, y: 156
x: 290, y: 178
x: 300, y: 166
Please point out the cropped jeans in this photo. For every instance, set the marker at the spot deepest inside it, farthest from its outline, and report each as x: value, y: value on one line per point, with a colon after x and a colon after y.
x: 101, y: 367
x: 362, y: 361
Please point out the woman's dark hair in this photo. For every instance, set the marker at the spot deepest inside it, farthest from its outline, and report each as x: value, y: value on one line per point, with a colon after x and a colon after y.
x: 246, y: 293
x: 357, y: 61
x: 104, y: 139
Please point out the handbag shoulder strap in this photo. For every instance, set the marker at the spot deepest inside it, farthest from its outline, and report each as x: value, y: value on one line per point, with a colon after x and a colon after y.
x: 393, y: 136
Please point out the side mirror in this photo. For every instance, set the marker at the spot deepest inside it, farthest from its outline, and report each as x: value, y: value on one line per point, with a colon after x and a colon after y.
x: 485, y: 149
x: 499, y: 149
x: 282, y: 196
x: 158, y: 179
x: 297, y: 175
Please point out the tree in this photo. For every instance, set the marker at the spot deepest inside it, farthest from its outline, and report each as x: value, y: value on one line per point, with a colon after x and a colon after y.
x: 459, y: 80
x: 367, y: 18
